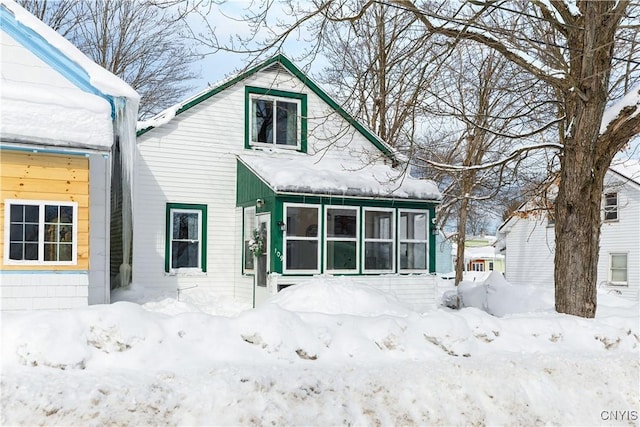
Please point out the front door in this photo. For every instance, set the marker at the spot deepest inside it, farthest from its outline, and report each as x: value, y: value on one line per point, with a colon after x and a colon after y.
x: 262, y: 261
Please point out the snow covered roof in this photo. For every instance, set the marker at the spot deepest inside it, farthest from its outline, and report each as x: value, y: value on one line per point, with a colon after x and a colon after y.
x: 316, y: 175
x: 629, y: 169
x: 170, y: 113
x: 52, y: 94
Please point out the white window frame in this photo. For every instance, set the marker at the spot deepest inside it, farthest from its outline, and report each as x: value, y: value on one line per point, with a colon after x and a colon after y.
x: 400, y: 241
x: 249, y: 225
x: 366, y: 240
x: 275, y: 99
x: 610, y: 270
x: 186, y: 270
x: 327, y: 239
x: 477, y: 266
x: 611, y: 209
x: 318, y: 239
x: 41, y: 230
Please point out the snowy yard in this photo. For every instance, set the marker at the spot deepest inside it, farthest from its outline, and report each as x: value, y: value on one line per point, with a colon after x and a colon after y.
x: 324, y: 353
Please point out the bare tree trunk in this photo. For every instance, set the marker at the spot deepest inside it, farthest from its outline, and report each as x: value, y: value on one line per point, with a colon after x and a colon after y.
x: 460, y: 239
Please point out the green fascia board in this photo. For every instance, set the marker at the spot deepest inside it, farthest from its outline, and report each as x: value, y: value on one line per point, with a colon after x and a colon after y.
x: 286, y: 63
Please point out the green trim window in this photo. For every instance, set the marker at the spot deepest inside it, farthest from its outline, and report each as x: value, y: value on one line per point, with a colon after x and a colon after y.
x: 378, y: 240
x: 186, y: 240
x: 341, y: 239
x: 618, y: 272
x: 413, y: 240
x: 275, y: 118
x: 302, y: 239
x: 40, y: 232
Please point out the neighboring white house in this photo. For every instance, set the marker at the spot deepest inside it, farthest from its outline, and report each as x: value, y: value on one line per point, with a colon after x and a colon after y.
x: 60, y: 115
x: 528, y: 237
x: 264, y: 181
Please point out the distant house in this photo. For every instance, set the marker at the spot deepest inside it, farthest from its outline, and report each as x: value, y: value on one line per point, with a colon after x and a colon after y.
x: 264, y: 181
x: 528, y: 237
x: 60, y: 116
x: 480, y: 254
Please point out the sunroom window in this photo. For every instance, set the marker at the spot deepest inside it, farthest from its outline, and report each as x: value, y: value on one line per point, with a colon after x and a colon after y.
x: 41, y: 232
x: 186, y: 238
x: 413, y: 240
x: 302, y: 240
x: 342, y: 239
x: 378, y: 240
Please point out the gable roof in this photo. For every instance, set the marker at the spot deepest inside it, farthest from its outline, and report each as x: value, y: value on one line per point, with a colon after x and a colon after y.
x: 61, y: 55
x: 628, y: 170
x: 282, y: 60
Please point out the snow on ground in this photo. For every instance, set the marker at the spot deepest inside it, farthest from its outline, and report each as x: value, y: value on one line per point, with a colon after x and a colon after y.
x: 328, y: 352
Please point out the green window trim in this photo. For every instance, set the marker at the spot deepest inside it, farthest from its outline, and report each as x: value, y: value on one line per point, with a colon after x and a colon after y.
x: 274, y: 93
x: 203, y: 233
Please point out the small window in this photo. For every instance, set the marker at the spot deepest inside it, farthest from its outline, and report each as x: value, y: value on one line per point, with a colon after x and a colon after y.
x: 413, y: 240
x: 378, y: 240
x: 186, y: 239
x: 618, y: 269
x: 342, y: 239
x: 275, y: 118
x: 477, y: 266
x: 302, y: 240
x: 611, y: 207
x: 491, y: 266
x: 41, y: 232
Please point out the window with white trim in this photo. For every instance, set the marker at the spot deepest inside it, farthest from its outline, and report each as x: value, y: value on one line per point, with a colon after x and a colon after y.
x: 378, y: 240
x: 611, y: 207
x: 618, y: 269
x: 41, y: 232
x: 413, y: 240
x: 302, y: 239
x: 341, y: 229
x: 186, y: 239
x: 275, y: 121
x: 477, y: 265
x: 249, y: 229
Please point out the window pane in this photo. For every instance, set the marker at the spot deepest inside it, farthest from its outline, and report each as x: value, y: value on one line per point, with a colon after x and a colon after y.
x: 31, y: 213
x: 377, y: 225
x: 262, y: 111
x: 51, y: 233
x: 619, y: 275
x: 413, y: 226
x: 341, y: 223
x: 185, y: 226
x: 341, y: 255
x: 619, y: 261
x: 302, y: 222
x: 287, y: 123
x: 51, y: 213
x: 302, y: 255
x: 66, y: 214
x: 31, y: 251
x: 378, y: 255
x: 184, y: 254
x: 413, y: 256
x: 50, y: 252
x: 15, y: 251
x: 31, y: 232
x: 17, y: 213
x: 16, y: 233
x: 64, y: 252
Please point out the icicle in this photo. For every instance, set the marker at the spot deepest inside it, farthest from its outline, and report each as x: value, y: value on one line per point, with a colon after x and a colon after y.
x: 126, y: 118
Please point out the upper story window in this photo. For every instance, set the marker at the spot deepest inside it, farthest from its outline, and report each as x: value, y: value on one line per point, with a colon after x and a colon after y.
x: 41, y: 232
x: 275, y: 118
x: 611, y: 207
x: 186, y: 238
